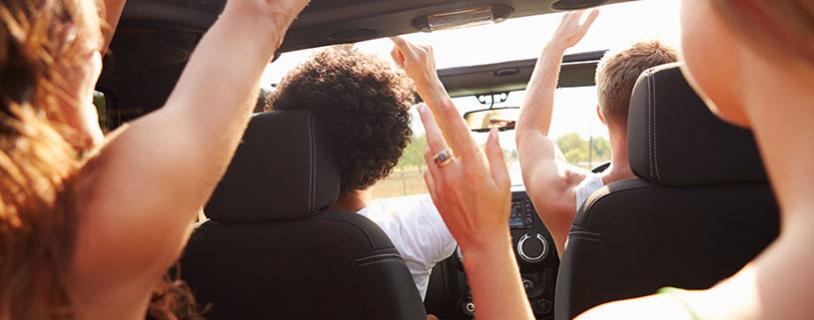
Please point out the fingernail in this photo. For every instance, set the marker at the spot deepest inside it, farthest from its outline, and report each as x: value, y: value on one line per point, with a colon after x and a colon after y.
x: 422, y: 107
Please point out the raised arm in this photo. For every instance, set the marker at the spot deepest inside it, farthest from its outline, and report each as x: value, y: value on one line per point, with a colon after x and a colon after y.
x: 548, y: 178
x: 471, y: 193
x: 139, y: 196
x: 418, y: 61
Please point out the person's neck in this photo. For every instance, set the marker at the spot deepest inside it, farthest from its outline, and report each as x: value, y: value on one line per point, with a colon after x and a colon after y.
x: 353, y: 201
x: 620, y: 167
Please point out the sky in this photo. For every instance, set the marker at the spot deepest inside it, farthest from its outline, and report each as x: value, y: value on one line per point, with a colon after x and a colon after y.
x: 617, y: 26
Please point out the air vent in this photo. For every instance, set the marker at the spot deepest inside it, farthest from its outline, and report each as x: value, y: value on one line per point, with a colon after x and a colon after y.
x: 354, y: 35
x: 576, y: 4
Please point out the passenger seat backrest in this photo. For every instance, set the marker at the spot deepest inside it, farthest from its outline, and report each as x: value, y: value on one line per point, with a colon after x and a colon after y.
x: 273, y: 251
x: 700, y: 210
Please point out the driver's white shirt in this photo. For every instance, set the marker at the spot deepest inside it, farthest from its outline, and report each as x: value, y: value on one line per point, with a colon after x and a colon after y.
x: 417, y: 231
x: 587, y: 187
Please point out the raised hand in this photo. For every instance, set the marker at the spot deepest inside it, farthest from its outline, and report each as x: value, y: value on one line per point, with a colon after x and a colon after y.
x: 288, y: 8
x: 278, y: 14
x: 572, y: 29
x: 418, y: 61
x: 472, y: 193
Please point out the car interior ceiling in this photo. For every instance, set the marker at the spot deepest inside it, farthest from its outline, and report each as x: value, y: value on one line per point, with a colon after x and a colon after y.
x: 155, y: 39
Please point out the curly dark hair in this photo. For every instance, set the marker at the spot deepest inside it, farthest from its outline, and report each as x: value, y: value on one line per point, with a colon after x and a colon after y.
x: 364, y: 102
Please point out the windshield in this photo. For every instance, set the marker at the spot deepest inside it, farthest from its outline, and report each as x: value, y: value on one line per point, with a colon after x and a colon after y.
x: 575, y: 127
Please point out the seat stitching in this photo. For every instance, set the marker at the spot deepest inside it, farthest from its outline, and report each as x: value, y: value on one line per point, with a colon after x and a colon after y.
x: 310, y: 163
x: 378, y: 261
x: 383, y: 255
x: 574, y: 237
x: 655, y: 133
x: 649, y: 123
x: 588, y: 233
x: 589, y: 208
x: 313, y: 169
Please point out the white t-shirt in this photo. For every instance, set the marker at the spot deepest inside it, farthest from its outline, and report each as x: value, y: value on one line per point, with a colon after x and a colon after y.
x: 417, y: 231
x: 587, y: 187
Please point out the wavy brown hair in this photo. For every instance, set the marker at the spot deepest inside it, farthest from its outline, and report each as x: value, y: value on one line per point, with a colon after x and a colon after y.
x: 42, y: 41
x: 37, y: 42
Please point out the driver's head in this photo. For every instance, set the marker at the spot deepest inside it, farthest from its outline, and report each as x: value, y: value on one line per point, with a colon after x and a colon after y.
x: 617, y: 74
x: 365, y: 104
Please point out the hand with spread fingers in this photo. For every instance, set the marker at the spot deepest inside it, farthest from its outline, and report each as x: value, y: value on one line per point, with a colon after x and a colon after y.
x: 573, y: 28
x: 472, y: 192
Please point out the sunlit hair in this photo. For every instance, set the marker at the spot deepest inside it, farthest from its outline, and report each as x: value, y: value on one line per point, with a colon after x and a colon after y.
x: 38, y: 41
x: 42, y: 42
x: 617, y: 74
x: 781, y: 28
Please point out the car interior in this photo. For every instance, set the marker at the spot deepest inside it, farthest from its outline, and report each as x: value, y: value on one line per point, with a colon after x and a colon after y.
x: 272, y: 249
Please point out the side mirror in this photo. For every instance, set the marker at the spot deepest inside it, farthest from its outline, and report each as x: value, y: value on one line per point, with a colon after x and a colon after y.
x: 483, y: 120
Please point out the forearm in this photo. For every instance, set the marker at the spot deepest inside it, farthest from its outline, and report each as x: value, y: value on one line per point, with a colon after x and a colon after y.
x: 538, y: 105
x: 539, y: 156
x: 495, y: 282
x: 435, y: 96
x: 217, y: 90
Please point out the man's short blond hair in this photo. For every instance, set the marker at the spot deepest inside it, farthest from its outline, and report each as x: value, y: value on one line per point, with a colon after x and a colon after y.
x: 617, y: 74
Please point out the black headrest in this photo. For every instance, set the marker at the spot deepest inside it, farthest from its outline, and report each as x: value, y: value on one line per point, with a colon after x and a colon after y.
x: 284, y: 169
x: 674, y: 140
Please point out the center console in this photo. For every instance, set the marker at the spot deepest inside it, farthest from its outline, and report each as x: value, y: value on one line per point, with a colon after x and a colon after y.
x: 448, y: 295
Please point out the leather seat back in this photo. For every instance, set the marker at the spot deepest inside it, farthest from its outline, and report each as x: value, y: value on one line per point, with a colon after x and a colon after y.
x: 271, y: 249
x: 699, y: 211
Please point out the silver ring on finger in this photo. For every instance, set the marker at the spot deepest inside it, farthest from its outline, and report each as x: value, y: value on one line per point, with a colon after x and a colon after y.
x: 443, y: 158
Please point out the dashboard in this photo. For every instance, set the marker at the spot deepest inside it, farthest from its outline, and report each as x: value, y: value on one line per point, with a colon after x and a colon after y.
x: 448, y: 294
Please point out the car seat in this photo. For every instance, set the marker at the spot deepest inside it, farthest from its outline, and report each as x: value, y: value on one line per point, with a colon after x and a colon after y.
x: 273, y: 250
x: 700, y: 209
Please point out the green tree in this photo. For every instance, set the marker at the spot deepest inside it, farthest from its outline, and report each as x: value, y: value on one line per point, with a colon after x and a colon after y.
x: 413, y: 155
x: 601, y: 148
x: 101, y: 108
x: 575, y: 149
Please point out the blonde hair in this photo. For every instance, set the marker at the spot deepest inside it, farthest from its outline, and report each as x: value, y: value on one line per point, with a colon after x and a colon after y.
x: 781, y: 27
x: 617, y: 74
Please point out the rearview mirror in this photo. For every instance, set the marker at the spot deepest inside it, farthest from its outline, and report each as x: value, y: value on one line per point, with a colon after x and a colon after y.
x: 503, y: 119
